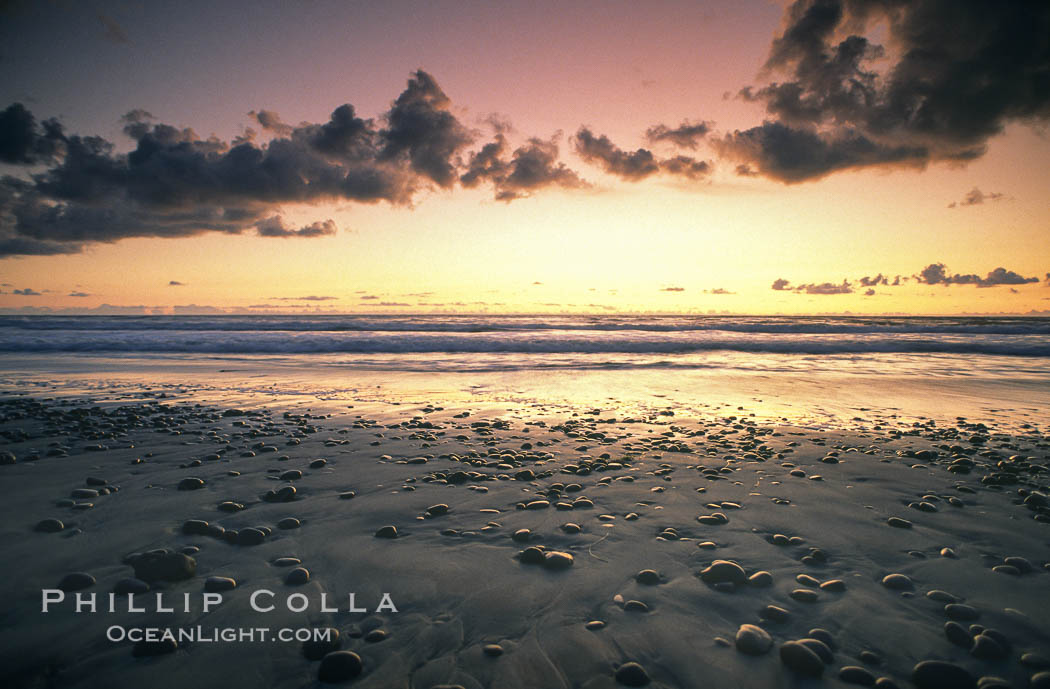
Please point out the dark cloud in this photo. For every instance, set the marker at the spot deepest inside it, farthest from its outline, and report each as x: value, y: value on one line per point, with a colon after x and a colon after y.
x: 392, y: 303
x: 745, y: 170
x: 275, y: 227
x: 719, y: 290
x: 421, y: 127
x: 825, y: 288
x: 176, y: 283
x: 938, y: 274
x: 79, y: 294
x: 368, y: 297
x: 782, y: 285
x: 794, y: 154
x: 176, y: 183
x: 27, y: 292
x: 531, y: 167
x: 23, y: 141
x: 976, y: 197
x: 672, y: 289
x: 869, y: 292
x: 685, y: 135
x: 957, y: 72
x: 879, y: 279
x: 635, y: 165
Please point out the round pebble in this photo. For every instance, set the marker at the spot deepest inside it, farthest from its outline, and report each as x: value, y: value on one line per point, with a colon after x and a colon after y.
x: 387, y: 532
x: 853, y: 674
x: 631, y: 674
x: 649, y: 577
x: 213, y: 584
x: 898, y: 582
x: 723, y: 571
x: 49, y: 526
x: 316, y: 649
x: 297, y: 577
x: 339, y: 666
x: 76, y: 581
x: 753, y: 640
x: 937, y: 674
x: 801, y: 659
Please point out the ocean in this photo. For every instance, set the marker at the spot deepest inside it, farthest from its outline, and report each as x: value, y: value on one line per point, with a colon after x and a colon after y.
x: 834, y: 365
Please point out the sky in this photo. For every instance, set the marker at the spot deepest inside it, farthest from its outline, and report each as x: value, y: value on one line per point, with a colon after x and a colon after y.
x: 752, y: 157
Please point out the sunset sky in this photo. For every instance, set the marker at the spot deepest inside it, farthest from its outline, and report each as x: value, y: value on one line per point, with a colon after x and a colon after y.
x: 821, y: 156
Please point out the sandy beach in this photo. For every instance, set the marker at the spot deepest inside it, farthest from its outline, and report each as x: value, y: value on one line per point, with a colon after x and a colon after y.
x: 487, y: 544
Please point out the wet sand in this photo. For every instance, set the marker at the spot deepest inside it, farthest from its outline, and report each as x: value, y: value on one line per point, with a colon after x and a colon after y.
x: 531, y: 545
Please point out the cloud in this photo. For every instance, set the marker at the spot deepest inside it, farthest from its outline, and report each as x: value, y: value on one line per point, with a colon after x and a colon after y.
x: 672, y: 289
x: 879, y: 279
x: 27, y: 292
x: 782, y: 285
x: 79, y: 294
x: 869, y: 292
x: 719, y: 290
x: 975, y: 197
x: 938, y: 274
x: 392, y: 303
x: 531, y: 167
x: 23, y: 141
x: 793, y: 154
x: 422, y: 128
x: 954, y: 74
x: 369, y: 297
x: 275, y: 227
x: 685, y: 135
x: 307, y: 298
x: 271, y: 122
x: 176, y: 283
x: 176, y: 183
x: 826, y: 288
x: 636, y: 165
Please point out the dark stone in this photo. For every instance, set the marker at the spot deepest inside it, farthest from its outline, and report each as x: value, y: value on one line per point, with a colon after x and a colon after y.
x: 632, y: 674
x: 49, y: 526
x: 753, y: 640
x: 801, y: 659
x: 648, y: 577
x: 159, y: 566
x: 191, y: 483
x: 958, y: 635
x: 250, y: 536
x: 853, y: 674
x: 937, y: 674
x: 315, y: 649
x: 898, y: 582
x: 531, y: 556
x: 297, y: 577
x: 76, y: 581
x: 556, y: 559
x: 196, y: 527
x: 723, y: 571
x: 339, y: 666
x: 387, y: 532
x: 213, y: 584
